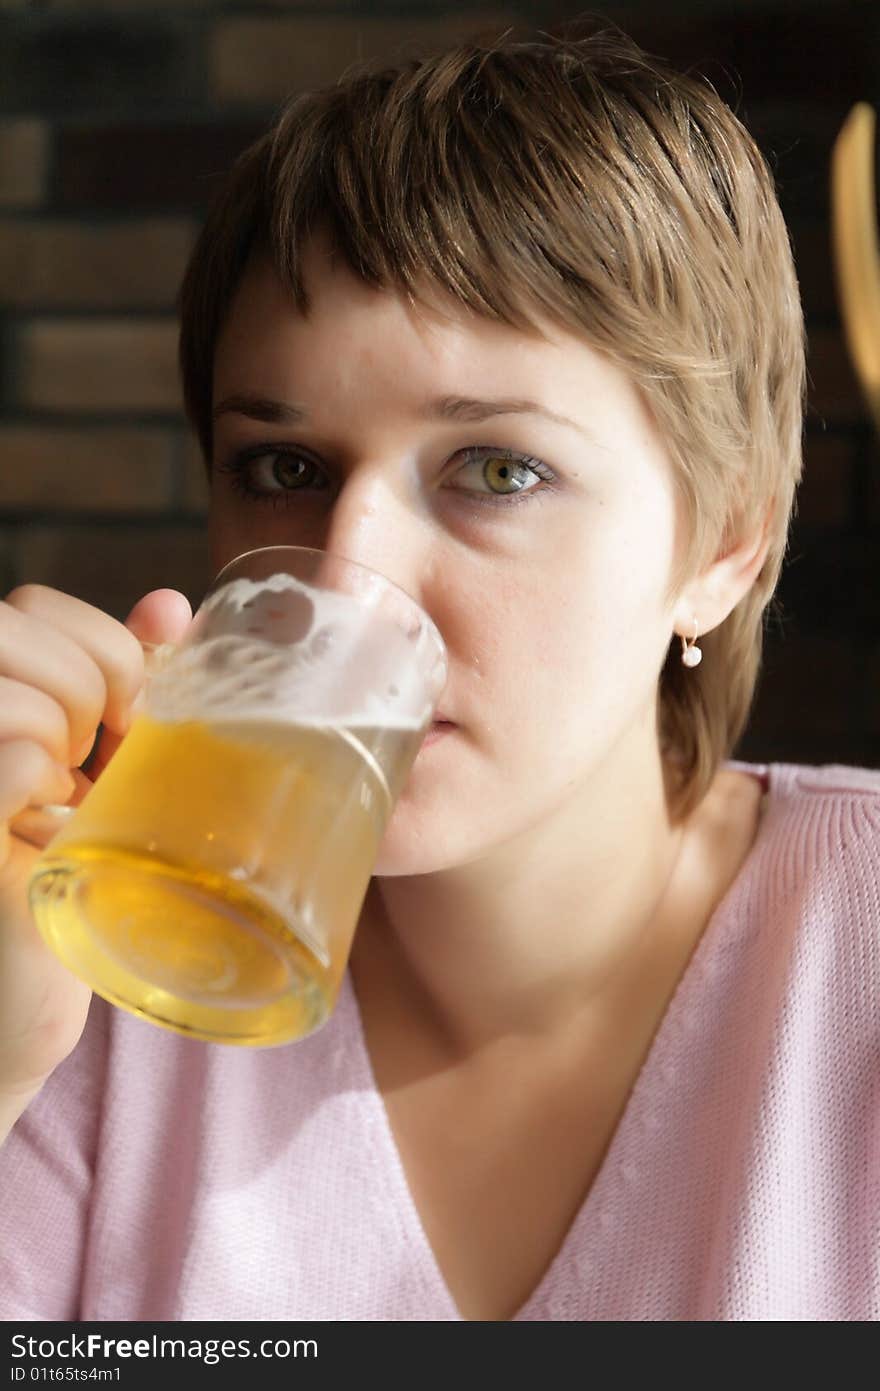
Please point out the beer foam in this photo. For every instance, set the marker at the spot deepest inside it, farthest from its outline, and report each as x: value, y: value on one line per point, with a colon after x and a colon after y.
x: 282, y: 651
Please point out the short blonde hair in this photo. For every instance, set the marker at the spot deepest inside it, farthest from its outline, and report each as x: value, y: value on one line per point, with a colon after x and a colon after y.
x: 577, y: 180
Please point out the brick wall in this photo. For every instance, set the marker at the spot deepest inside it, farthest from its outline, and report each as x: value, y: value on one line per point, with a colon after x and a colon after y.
x: 116, y: 119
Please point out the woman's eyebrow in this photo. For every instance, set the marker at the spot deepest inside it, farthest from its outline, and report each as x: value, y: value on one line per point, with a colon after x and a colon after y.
x: 467, y: 408
x: 259, y: 408
x: 472, y: 409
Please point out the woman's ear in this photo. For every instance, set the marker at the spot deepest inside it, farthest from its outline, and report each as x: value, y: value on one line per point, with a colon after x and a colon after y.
x: 714, y: 593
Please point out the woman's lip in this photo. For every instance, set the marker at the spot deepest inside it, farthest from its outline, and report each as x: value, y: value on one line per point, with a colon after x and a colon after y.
x: 437, y: 730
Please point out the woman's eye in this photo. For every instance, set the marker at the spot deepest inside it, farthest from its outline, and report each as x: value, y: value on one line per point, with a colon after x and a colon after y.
x: 271, y: 475
x: 284, y: 471
x: 503, y: 472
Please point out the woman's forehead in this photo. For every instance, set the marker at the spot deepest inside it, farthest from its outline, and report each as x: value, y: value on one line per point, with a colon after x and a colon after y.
x: 348, y: 319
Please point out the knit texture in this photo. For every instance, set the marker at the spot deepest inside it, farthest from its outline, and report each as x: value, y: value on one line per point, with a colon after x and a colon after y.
x: 159, y: 1178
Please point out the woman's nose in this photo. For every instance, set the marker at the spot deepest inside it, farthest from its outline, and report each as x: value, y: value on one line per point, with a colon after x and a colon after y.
x: 371, y: 524
x: 380, y: 526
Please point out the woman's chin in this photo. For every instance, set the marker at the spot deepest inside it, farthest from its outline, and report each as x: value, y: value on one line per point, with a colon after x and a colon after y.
x: 397, y: 860
x: 410, y: 846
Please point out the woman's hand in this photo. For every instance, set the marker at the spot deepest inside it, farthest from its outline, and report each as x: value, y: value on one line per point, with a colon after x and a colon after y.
x: 65, y: 668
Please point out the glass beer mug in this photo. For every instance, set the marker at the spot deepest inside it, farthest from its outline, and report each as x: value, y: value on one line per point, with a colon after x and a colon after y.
x: 212, y: 878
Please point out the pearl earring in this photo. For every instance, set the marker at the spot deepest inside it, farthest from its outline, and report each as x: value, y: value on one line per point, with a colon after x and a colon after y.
x: 691, y: 656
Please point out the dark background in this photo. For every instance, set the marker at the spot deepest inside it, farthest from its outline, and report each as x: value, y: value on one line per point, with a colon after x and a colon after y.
x: 116, y: 119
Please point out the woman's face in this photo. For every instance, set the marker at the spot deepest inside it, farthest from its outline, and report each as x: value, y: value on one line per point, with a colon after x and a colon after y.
x: 541, y: 547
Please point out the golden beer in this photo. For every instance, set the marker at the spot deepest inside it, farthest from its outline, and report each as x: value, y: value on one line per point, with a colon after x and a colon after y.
x: 212, y: 878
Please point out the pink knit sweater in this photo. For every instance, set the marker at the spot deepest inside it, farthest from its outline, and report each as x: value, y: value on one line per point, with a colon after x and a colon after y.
x: 159, y: 1178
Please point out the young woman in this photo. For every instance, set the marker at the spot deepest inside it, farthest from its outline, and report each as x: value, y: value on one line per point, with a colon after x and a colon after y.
x: 518, y: 326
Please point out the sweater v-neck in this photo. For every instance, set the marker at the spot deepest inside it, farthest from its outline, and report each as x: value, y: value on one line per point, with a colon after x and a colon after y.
x: 593, y: 1224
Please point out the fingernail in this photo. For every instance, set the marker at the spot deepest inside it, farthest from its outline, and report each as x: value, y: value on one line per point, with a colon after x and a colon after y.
x: 83, y: 751
x: 66, y: 784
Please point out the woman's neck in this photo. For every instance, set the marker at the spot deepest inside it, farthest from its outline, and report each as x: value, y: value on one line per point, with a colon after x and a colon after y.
x: 541, y: 934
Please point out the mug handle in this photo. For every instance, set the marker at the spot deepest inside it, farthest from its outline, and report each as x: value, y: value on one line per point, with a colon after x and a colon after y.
x: 37, y: 824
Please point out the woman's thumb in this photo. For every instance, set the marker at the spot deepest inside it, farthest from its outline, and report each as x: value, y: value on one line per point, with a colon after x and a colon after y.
x: 163, y: 615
